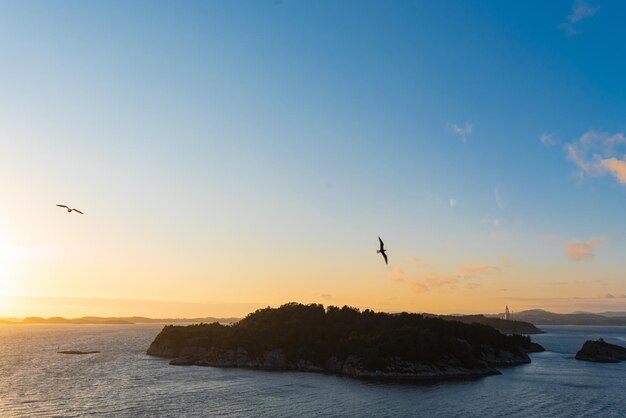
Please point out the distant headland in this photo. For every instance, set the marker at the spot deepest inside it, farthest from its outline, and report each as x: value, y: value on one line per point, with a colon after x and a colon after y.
x: 523, y: 322
x: 348, y: 342
x: 542, y: 317
x: 97, y: 320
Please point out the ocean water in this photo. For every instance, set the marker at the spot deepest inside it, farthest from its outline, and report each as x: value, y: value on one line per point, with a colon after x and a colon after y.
x: 122, y: 381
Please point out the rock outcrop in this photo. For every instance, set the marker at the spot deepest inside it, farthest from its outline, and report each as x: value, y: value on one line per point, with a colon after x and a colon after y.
x: 602, y: 352
x: 532, y: 347
x: 396, y: 369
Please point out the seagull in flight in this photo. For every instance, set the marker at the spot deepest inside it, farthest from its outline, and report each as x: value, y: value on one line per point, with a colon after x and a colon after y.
x: 382, y: 250
x: 70, y: 209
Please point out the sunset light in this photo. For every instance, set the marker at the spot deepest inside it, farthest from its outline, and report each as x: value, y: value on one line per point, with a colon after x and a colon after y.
x: 398, y: 191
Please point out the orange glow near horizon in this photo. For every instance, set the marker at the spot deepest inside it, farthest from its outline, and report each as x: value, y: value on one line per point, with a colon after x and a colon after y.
x: 122, y: 277
x: 210, y: 189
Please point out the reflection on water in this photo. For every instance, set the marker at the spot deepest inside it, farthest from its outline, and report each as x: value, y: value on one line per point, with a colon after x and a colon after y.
x: 123, y: 381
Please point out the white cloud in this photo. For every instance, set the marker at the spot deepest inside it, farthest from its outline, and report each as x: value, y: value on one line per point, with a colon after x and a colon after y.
x: 452, y: 202
x: 580, y: 10
x: 462, y: 131
x: 598, y: 153
x: 548, y: 140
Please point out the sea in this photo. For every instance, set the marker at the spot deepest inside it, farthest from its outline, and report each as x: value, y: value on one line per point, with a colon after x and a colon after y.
x: 122, y: 381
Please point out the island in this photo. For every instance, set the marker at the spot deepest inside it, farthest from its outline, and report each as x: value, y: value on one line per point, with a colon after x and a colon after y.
x: 348, y: 342
x: 601, y: 352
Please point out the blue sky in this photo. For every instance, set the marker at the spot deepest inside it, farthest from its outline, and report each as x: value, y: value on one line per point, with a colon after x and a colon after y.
x: 217, y: 135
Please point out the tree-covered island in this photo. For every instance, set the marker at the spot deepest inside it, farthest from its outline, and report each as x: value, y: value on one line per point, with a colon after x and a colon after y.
x: 348, y: 342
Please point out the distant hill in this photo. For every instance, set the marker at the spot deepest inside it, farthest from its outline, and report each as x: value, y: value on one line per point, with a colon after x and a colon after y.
x: 614, y: 314
x: 502, y: 325
x: 60, y: 320
x: 95, y: 320
x: 541, y: 317
x: 205, y: 320
x: 523, y: 322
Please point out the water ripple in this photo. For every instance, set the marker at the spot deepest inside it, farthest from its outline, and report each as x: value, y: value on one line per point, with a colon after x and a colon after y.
x: 122, y: 381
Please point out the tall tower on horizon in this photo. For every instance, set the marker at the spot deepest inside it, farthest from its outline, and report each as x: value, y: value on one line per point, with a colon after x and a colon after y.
x: 507, y: 313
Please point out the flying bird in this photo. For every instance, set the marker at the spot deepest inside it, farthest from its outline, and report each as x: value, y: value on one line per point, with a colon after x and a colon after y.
x: 70, y: 209
x: 382, y: 250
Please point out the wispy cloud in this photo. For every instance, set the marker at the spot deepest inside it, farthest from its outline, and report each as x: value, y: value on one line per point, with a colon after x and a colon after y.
x: 504, y: 260
x: 326, y: 296
x: 397, y: 275
x: 437, y: 280
x: 462, y: 130
x: 418, y: 262
x: 428, y: 281
x: 418, y: 287
x: 498, y: 192
x: 548, y: 140
x: 598, y: 153
x: 423, y: 279
x: 616, y: 167
x: 475, y: 268
x: 491, y: 221
x: 580, y: 10
x: 452, y: 203
x: 583, y: 251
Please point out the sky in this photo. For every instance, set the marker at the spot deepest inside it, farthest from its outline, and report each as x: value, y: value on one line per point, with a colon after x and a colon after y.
x: 235, y: 155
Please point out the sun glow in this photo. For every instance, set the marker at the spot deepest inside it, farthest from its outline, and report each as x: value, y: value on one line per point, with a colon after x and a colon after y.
x: 5, y: 259
x: 11, y: 256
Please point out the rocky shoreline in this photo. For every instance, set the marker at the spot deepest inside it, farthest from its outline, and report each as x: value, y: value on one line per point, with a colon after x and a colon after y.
x: 396, y: 369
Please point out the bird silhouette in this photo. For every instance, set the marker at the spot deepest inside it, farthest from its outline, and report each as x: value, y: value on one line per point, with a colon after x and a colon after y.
x: 382, y: 250
x: 70, y: 209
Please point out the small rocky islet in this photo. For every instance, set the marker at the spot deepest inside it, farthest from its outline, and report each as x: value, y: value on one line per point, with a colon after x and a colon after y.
x: 347, y: 342
x: 600, y: 351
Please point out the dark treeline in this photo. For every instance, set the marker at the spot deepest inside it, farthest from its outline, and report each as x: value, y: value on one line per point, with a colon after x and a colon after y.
x: 314, y: 333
